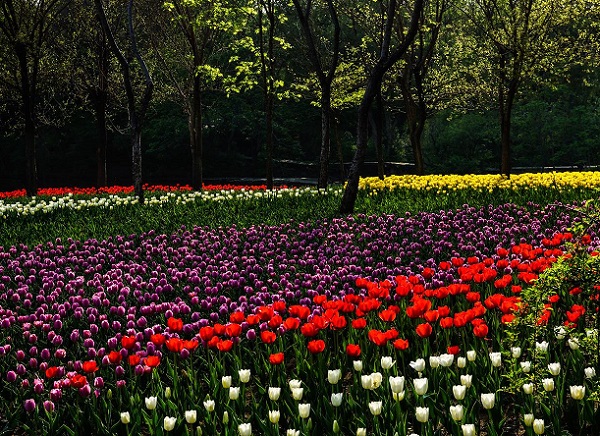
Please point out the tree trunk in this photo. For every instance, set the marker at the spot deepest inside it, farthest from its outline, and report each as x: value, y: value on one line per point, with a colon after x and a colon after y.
x: 269, y: 138
x: 415, y: 116
x: 136, y: 160
x: 379, y: 136
x: 196, y: 134
x: 325, y: 135
x: 99, y: 96
x: 28, y: 114
x: 506, y: 100
x: 340, y: 151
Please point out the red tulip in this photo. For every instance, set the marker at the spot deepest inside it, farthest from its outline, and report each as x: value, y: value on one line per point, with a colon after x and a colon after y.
x: 268, y: 337
x: 353, y: 350
x: 89, y: 366
x: 424, y: 330
x: 152, y: 361
x: 400, y: 344
x: 175, y: 324
x: 276, y: 359
x: 225, y: 345
x: 128, y: 342
x: 316, y: 346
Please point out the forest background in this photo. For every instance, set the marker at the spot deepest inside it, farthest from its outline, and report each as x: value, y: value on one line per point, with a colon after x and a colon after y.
x: 218, y: 89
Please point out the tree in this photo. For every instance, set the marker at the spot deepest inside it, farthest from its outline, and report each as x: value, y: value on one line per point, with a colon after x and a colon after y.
x: 388, y: 56
x: 137, y: 113
x: 520, y: 40
x: 325, y: 75
x: 28, y: 28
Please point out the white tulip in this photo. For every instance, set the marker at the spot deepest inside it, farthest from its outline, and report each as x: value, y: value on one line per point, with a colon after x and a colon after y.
x: 459, y: 392
x: 125, y: 418
x: 577, y: 392
x: 461, y: 362
x: 304, y: 410
x: 525, y: 366
x: 466, y: 380
x: 234, y: 392
x: 334, y: 376
x: 387, y: 362
x: 488, y: 400
x: 446, y: 360
x: 590, y: 372
x: 515, y: 352
x: 421, y: 385
x: 295, y: 383
x: 190, y: 416
x: 573, y: 344
x: 538, y: 426
x: 554, y: 368
x: 398, y: 396
x: 245, y: 429
x: 468, y: 429
x: 225, y: 418
x: 376, y: 379
x: 560, y: 332
x: 434, y: 361
x: 548, y: 384
x: 418, y: 365
x: 396, y: 383
x: 226, y: 381
x: 169, y: 423
x: 209, y: 405
x: 375, y: 407
x: 297, y: 393
x: 336, y: 399
x: 496, y: 358
x: 244, y: 375
x: 358, y: 365
x: 457, y: 412
x: 528, y: 419
x: 366, y: 381
x: 150, y: 403
x: 292, y: 432
x: 274, y: 393
x: 528, y: 388
x: 274, y: 416
x: 422, y: 414
x: 471, y: 355
x: 361, y: 431
x: 541, y: 347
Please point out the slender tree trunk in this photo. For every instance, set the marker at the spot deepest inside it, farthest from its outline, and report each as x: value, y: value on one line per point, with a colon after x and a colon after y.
x: 325, y: 135
x: 27, y: 97
x: 269, y: 140
x: 196, y: 134
x: 506, y: 105
x: 99, y: 96
x: 379, y: 136
x: 136, y: 160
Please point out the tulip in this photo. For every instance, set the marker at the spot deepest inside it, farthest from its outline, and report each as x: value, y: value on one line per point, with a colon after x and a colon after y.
x: 234, y: 393
x: 150, y: 403
x: 295, y: 383
x: 554, y: 368
x: 167, y: 392
x: 169, y: 423
x: 292, y: 432
x: 496, y: 359
x: 125, y: 418
x: 577, y: 392
x: 358, y: 365
x: 334, y: 376
x: 361, y: 431
x: 209, y: 405
x: 461, y: 362
x: 471, y: 355
x: 422, y: 414
x: 538, y: 426
x: 190, y: 416
x: 468, y: 429
x: 245, y: 429
x: 304, y: 410
x: 459, y: 392
x: 297, y: 393
x: 274, y: 393
x: 418, y: 365
x: 421, y: 385
x: 398, y: 396
x: 528, y: 419
x: 446, y: 360
x: 336, y: 399
x: 274, y: 416
x: 366, y: 382
x: 573, y: 344
x: 336, y: 426
x: 525, y: 366
x: 225, y: 418
x: 434, y: 361
x: 466, y: 380
x: 515, y: 352
x: 244, y: 375
x: 457, y: 412
x: 387, y: 362
x: 528, y: 388
x: 560, y: 332
x: 226, y: 381
x: 488, y: 400
x: 375, y: 407
x: 590, y: 372
x: 541, y: 347
x: 376, y: 379
x: 548, y: 384
x: 396, y: 384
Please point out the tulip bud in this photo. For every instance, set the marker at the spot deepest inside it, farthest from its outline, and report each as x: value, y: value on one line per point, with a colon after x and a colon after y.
x: 446, y: 360
x: 225, y: 417
x: 398, y: 396
x: 461, y: 362
x: 168, y: 392
x: 336, y: 426
x: 459, y: 392
x: 234, y: 393
x: 292, y: 432
x: 274, y: 393
x: 336, y: 399
x: 358, y: 365
x: 471, y: 355
x: 295, y: 383
x: 538, y: 426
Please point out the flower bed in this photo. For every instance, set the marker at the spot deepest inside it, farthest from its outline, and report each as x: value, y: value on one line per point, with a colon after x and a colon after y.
x: 368, y: 324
